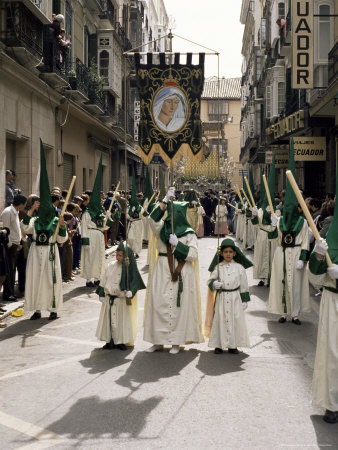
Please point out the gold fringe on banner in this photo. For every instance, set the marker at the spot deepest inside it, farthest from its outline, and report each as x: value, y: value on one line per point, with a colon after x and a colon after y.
x: 184, y: 150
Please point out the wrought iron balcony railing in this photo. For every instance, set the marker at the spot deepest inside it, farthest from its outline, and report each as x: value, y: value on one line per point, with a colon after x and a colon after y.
x: 21, y: 28
x: 333, y: 64
x: 78, y: 77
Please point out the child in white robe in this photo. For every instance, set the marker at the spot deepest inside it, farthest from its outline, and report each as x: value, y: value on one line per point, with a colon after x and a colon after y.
x: 228, y: 278
x: 118, y: 294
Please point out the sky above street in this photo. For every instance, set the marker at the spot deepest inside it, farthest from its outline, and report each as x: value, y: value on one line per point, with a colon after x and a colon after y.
x: 214, y: 24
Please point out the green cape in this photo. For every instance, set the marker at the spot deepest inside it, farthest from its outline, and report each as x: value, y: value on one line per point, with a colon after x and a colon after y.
x: 135, y: 282
x: 133, y: 202
x: 290, y: 210
x: 332, y: 234
x: 46, y: 220
x: 181, y: 224
x: 239, y: 258
x: 95, y: 206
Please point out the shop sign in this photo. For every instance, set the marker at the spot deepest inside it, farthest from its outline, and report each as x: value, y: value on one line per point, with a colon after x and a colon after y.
x: 288, y: 125
x: 302, y: 44
x: 310, y: 148
x: 281, y: 158
x: 268, y: 157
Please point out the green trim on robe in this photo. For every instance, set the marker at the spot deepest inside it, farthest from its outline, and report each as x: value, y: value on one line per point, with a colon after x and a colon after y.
x: 317, y: 267
x: 63, y: 231
x: 273, y: 234
x: 245, y: 296
x: 100, y: 291
x: 26, y: 219
x: 210, y: 285
x: 181, y: 251
x: 157, y: 214
x: 85, y: 241
x: 145, y: 214
x: 255, y: 220
x: 304, y: 255
x: 109, y: 222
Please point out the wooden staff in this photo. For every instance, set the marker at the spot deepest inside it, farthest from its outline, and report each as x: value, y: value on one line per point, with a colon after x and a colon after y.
x: 111, y: 203
x: 246, y: 197
x: 65, y: 205
x: 306, y: 211
x: 232, y: 206
x: 146, y: 208
x: 239, y: 193
x: 268, y: 194
x: 249, y: 190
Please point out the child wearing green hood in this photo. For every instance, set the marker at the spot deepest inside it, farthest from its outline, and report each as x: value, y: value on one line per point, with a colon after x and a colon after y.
x: 225, y: 317
x: 118, y: 294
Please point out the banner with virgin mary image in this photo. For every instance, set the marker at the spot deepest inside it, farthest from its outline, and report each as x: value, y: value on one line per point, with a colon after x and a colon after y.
x: 170, y: 105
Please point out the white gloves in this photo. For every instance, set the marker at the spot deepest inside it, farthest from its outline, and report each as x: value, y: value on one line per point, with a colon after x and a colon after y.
x: 194, y: 202
x: 173, y: 240
x: 217, y: 285
x: 244, y: 305
x: 280, y: 205
x: 108, y: 213
x: 128, y: 294
x: 321, y: 247
x: 102, y: 299
x: 133, y: 209
x: 169, y: 194
x: 267, y: 209
x: 300, y: 265
x: 274, y: 220
x: 254, y: 211
x: 333, y: 271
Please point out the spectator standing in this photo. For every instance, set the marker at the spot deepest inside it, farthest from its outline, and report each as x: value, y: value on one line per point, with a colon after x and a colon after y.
x: 9, y: 188
x: 10, y: 220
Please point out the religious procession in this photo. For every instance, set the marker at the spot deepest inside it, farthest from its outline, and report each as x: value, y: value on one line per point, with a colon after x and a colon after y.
x: 174, y: 283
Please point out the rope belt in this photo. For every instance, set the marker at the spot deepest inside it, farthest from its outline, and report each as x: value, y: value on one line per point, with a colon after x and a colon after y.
x: 162, y: 254
x: 230, y: 290
x: 331, y: 289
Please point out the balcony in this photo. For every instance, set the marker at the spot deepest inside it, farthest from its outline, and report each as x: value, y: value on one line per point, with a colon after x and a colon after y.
x: 54, y: 69
x: 285, y: 36
x: 108, y: 11
x: 95, y: 104
x: 121, y: 121
x: 109, y: 117
x: 333, y: 64
x: 22, y: 33
x: 78, y: 82
x: 41, y: 9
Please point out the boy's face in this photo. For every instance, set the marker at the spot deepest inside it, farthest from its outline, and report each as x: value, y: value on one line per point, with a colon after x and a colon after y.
x: 119, y: 256
x: 228, y: 254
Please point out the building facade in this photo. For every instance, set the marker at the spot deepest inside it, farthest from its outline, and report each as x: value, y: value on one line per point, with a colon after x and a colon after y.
x: 80, y: 102
x: 289, y: 86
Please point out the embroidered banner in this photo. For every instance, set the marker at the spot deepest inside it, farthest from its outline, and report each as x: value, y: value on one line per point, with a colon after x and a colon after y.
x: 170, y: 104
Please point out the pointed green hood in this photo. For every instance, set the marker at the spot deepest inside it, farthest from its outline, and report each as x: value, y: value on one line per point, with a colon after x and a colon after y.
x: 95, y: 206
x: 162, y: 187
x: 181, y: 224
x: 149, y: 192
x: 290, y: 210
x: 251, y: 183
x: 46, y: 220
x: 134, y: 205
x: 240, y: 258
x: 134, y: 280
x: 191, y: 196
x: 263, y: 198
x: 332, y: 234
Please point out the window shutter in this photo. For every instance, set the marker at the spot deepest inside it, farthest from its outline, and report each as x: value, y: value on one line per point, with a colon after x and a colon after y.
x: 92, y: 48
x: 56, y: 7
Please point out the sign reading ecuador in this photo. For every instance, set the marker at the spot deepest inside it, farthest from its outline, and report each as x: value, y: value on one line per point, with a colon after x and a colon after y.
x: 310, y: 148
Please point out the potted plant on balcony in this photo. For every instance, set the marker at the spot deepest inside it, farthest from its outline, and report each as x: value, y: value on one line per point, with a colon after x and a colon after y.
x: 72, y: 79
x: 95, y: 84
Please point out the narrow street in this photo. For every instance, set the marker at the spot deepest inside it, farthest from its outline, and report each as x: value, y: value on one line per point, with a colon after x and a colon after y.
x: 60, y: 390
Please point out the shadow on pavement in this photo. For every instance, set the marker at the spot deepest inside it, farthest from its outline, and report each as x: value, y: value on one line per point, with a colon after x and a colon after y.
x: 327, y: 434
x: 101, y: 361
x: 78, y: 291
x: 25, y: 328
x: 151, y: 367
x: 92, y: 417
x: 216, y: 365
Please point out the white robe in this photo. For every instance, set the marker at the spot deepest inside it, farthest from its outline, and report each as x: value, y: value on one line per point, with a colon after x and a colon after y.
x: 116, y: 324
x: 325, y: 374
x: 135, y: 233
x: 39, y: 274
x: 262, y: 259
x: 296, y: 281
x: 249, y: 233
x: 228, y: 327
x: 165, y: 322
x: 92, y: 255
x: 240, y: 225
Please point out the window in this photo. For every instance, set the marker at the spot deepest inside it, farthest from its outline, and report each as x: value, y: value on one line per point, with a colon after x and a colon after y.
x: 268, y: 102
x: 324, y: 32
x: 281, y: 10
x: 68, y: 19
x: 263, y: 32
x: 281, y: 97
x: 85, y: 45
x: 104, y: 66
x: 218, y: 110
